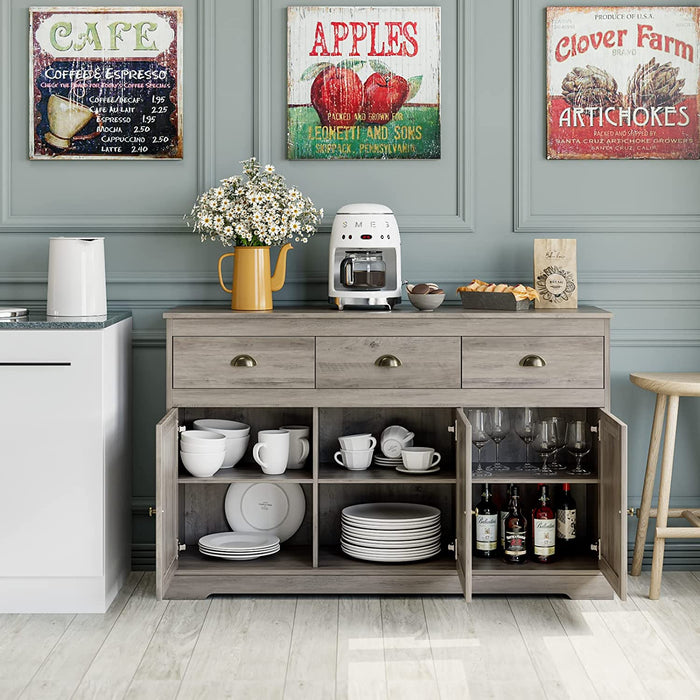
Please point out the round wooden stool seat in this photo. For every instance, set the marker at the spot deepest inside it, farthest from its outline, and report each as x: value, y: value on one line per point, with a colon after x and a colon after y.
x: 668, y: 387
x: 668, y: 383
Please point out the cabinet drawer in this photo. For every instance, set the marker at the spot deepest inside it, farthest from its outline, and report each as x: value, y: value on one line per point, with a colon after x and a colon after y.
x: 351, y: 363
x: 570, y: 362
x: 206, y: 362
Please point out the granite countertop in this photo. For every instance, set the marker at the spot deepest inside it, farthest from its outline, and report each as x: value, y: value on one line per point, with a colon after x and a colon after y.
x: 40, y: 321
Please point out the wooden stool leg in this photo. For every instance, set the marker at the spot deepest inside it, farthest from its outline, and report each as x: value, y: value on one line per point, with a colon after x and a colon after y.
x: 657, y: 561
x: 652, y: 460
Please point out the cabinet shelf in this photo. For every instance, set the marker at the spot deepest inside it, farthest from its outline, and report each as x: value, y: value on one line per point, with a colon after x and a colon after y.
x: 246, y: 473
x: 331, y: 474
x: 287, y: 560
x: 512, y: 476
x: 570, y: 565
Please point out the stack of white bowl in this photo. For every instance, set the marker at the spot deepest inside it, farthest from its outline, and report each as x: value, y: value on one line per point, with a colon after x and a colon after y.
x: 237, y: 435
x: 202, y: 451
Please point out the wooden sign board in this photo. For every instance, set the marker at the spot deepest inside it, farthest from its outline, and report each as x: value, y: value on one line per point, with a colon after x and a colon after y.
x: 555, y: 273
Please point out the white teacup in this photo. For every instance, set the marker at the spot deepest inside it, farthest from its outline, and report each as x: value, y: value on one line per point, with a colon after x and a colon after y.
x: 394, y: 438
x: 298, y: 445
x: 271, y: 451
x: 360, y: 441
x: 355, y: 460
x: 419, y: 459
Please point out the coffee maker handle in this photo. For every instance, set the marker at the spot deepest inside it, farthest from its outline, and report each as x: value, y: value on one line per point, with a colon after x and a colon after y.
x: 345, y: 279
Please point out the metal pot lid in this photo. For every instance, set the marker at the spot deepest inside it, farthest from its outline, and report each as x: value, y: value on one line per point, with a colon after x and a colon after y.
x: 9, y: 312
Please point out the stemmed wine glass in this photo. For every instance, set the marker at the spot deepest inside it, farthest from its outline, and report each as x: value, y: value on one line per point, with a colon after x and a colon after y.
x: 525, y: 428
x: 559, y: 427
x: 545, y: 443
x: 477, y: 418
x: 497, y: 427
x: 578, y: 443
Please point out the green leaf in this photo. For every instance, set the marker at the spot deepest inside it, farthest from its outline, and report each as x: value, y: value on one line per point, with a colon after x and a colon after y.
x: 314, y: 69
x: 351, y: 63
x: 414, y: 84
x: 379, y: 67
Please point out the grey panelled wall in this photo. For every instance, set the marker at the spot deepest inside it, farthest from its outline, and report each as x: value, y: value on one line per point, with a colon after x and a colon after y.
x: 475, y: 212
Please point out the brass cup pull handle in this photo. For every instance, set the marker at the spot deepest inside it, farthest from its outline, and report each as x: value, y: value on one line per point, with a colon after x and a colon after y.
x: 532, y: 361
x: 243, y: 361
x: 388, y: 361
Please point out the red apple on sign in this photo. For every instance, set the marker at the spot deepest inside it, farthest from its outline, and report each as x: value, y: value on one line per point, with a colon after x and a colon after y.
x: 385, y: 93
x: 336, y: 95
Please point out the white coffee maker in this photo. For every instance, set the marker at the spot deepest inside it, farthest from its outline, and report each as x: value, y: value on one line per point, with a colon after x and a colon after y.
x: 364, y: 260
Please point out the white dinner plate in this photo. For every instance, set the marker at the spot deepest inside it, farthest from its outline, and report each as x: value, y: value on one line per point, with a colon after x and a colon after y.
x: 384, y: 544
x: 390, y: 560
x: 238, y: 540
x: 391, y: 512
x: 238, y: 551
x: 390, y: 553
x: 432, y: 470
x: 273, y: 509
x: 391, y: 525
x: 390, y: 535
x: 240, y: 557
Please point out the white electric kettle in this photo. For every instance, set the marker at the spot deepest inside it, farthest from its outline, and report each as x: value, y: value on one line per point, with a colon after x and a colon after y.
x: 77, y: 285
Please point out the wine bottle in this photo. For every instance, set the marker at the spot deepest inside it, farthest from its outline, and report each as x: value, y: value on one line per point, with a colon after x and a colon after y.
x: 566, y: 521
x: 515, y: 551
x: 486, y: 525
x: 543, y: 528
x: 502, y: 517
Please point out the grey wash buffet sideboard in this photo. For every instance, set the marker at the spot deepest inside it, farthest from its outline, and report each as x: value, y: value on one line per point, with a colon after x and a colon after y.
x: 355, y: 371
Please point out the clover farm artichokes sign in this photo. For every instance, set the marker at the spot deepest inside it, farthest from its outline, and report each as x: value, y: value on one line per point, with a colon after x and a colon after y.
x: 363, y: 82
x: 623, y: 82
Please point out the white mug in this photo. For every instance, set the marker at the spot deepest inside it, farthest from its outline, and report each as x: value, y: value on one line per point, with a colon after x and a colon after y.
x: 360, y: 441
x: 419, y: 459
x: 298, y: 445
x: 394, y: 438
x: 271, y: 451
x: 355, y: 460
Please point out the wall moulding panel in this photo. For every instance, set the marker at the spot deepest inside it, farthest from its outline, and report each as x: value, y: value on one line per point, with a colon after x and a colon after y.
x: 452, y: 175
x: 81, y: 196
x: 569, y: 196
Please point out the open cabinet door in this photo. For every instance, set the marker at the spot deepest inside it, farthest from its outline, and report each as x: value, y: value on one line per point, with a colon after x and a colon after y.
x: 166, y: 500
x: 612, y: 464
x: 463, y: 517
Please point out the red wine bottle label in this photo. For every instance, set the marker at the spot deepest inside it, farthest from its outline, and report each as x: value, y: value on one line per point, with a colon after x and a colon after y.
x: 515, y: 544
x: 544, y: 537
x: 566, y: 524
x: 486, y: 532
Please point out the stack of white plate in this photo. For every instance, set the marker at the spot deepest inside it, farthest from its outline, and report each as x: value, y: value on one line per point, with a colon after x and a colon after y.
x: 390, y: 532
x: 391, y: 462
x: 239, y: 546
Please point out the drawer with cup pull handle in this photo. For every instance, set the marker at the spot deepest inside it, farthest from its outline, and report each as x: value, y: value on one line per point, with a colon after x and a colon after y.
x: 223, y: 362
x: 401, y: 362
x: 532, y: 362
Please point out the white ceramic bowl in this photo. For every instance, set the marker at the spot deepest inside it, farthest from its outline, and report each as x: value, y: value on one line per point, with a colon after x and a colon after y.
x: 235, y: 449
x: 202, y: 464
x: 202, y: 447
x: 229, y: 428
x: 426, y: 302
x: 202, y: 436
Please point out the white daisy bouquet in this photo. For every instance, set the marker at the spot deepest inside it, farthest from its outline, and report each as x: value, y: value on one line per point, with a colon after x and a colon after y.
x: 255, y: 210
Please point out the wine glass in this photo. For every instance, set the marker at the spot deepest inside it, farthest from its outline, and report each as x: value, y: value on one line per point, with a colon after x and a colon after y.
x: 545, y: 443
x: 559, y: 426
x: 477, y: 418
x: 525, y: 429
x: 578, y: 443
x: 497, y: 427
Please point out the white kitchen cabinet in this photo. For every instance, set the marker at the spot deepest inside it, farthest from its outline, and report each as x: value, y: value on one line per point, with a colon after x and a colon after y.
x: 65, y: 464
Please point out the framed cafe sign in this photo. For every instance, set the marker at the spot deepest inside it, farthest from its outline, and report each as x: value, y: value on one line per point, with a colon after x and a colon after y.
x: 363, y: 82
x: 623, y: 82
x: 106, y: 82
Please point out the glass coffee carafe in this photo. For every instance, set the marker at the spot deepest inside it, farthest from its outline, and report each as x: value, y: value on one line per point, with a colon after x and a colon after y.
x: 363, y: 270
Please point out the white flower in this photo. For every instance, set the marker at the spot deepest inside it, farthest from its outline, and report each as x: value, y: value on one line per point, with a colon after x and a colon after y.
x: 219, y: 192
x: 294, y: 226
x: 269, y: 168
x: 228, y: 230
x: 257, y: 216
x: 205, y: 219
x: 218, y: 222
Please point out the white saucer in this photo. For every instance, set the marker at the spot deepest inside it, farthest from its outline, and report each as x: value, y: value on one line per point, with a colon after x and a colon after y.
x: 432, y: 470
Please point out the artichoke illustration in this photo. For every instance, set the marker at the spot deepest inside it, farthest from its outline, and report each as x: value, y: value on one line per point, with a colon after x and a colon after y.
x: 590, y: 87
x: 654, y: 85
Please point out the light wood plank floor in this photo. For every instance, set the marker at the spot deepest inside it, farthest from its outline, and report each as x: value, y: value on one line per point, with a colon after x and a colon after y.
x: 361, y: 647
